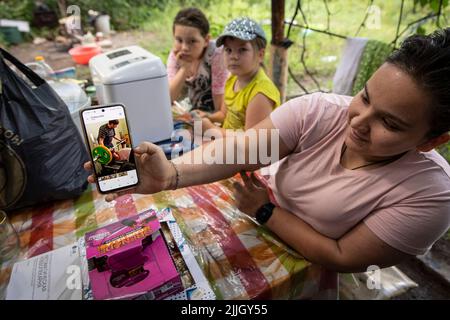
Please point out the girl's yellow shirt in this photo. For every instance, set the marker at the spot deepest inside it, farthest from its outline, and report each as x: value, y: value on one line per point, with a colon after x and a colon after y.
x: 237, y: 102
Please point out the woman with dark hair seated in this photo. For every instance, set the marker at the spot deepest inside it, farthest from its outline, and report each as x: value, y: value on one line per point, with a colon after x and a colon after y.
x: 359, y: 183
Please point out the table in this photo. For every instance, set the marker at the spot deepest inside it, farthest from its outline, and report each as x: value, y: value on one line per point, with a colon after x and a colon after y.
x: 240, y: 259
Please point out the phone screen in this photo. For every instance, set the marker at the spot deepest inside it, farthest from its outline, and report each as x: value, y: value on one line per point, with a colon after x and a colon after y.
x: 108, y: 137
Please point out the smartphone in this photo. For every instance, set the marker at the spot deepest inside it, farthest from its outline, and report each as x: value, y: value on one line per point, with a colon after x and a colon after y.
x: 108, y: 137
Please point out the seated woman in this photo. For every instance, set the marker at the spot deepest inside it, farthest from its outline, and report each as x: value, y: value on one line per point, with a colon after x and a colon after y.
x: 359, y: 183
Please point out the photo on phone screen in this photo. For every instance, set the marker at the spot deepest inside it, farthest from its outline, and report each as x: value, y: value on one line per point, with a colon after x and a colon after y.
x: 108, y: 137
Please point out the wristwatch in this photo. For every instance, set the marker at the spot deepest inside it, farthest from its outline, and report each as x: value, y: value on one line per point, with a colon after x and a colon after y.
x: 264, y: 213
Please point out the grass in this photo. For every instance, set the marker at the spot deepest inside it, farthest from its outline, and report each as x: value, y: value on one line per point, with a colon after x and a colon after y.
x: 322, y: 51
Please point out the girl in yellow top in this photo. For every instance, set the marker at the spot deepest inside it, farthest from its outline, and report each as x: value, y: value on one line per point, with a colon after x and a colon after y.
x: 250, y: 96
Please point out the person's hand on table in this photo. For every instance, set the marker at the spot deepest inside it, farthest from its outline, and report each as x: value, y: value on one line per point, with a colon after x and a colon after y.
x: 251, y: 195
x: 156, y: 173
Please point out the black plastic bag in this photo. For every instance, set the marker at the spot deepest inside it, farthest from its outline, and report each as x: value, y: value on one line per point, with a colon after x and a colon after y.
x: 41, y: 150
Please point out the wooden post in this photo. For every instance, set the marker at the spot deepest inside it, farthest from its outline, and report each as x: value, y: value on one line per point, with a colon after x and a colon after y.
x: 278, y: 65
x: 62, y: 8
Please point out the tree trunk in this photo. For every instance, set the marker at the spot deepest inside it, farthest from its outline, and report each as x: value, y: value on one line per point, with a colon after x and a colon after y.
x: 279, y: 69
x: 62, y: 5
x: 278, y: 66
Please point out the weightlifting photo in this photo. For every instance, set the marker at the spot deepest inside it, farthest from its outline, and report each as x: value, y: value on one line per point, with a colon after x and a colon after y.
x: 110, y: 146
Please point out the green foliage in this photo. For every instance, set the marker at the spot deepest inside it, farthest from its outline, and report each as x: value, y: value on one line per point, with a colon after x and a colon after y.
x: 3, y: 43
x: 125, y: 14
x: 444, y: 150
x: 17, y: 9
x: 322, y: 51
x: 433, y: 4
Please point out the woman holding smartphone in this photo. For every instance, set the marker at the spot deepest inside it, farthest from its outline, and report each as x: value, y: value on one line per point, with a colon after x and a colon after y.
x: 358, y: 183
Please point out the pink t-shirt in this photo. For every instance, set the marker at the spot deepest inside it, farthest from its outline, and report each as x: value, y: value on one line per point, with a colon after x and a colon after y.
x: 209, y: 81
x: 406, y: 203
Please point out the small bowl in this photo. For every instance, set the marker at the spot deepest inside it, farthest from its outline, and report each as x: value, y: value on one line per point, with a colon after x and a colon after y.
x: 82, y: 54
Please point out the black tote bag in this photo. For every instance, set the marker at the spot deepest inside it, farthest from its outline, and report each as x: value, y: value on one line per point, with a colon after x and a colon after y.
x: 41, y: 150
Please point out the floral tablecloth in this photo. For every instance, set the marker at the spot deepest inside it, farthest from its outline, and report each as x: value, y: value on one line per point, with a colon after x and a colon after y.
x: 240, y: 259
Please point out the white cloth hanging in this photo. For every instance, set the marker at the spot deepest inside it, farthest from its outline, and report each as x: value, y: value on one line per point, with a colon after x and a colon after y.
x: 348, y: 67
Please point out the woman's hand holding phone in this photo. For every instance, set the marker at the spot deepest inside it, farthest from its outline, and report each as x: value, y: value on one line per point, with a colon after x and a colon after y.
x: 156, y: 173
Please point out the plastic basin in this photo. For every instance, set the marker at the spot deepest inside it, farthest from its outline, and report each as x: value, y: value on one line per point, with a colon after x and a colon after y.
x: 83, y: 54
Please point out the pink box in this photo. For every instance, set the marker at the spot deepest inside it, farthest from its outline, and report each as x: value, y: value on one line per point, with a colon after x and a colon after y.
x: 130, y: 258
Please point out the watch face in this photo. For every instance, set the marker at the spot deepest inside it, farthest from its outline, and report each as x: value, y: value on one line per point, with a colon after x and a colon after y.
x: 264, y: 213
